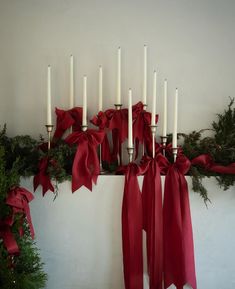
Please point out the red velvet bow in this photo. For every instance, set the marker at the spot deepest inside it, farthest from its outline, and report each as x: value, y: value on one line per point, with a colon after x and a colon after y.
x: 66, y: 119
x: 117, y: 122
x: 179, y: 267
x: 42, y: 178
x: 86, y: 166
x: 101, y: 121
x: 18, y: 198
x: 132, y: 225
x: 8, y: 238
x: 152, y: 213
x: 207, y: 162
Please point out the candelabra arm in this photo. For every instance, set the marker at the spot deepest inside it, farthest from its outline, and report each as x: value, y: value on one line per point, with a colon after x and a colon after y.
x: 49, y: 128
x: 164, y: 142
x: 130, y: 151
x: 153, y: 130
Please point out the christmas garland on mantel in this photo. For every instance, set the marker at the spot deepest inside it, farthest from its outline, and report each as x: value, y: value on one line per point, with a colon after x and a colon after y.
x: 221, y: 147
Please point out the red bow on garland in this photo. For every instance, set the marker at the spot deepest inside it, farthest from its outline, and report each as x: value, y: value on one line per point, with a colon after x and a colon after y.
x: 86, y: 167
x: 152, y: 221
x: 66, y: 119
x: 42, y: 178
x: 179, y: 267
x: 101, y: 121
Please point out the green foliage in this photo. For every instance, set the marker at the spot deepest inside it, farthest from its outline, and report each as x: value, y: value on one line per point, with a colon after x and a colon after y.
x: 18, y: 157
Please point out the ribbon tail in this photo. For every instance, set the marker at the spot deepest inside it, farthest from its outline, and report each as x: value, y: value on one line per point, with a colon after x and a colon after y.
x: 132, y: 233
x: 152, y: 212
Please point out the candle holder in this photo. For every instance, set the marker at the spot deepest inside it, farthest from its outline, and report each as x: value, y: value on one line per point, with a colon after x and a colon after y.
x: 102, y: 171
x: 175, y: 151
x: 144, y: 106
x: 84, y: 127
x: 130, y: 151
x: 164, y: 141
x: 118, y: 106
x: 153, y: 130
x: 49, y: 128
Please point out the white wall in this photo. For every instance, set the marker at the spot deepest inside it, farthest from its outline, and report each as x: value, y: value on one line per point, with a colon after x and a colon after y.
x: 192, y: 43
x: 80, y: 235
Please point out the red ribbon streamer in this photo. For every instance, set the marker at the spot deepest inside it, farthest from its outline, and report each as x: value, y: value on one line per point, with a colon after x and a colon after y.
x: 42, y: 178
x: 66, y: 119
x: 152, y: 213
x: 179, y: 267
x: 132, y: 225
x: 86, y: 166
x: 207, y: 162
x: 18, y: 198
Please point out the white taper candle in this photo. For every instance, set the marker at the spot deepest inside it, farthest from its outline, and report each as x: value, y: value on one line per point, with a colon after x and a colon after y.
x: 164, y: 110
x: 84, y: 104
x: 145, y: 76
x: 100, y: 108
x: 71, y: 86
x: 154, y: 98
x: 174, y: 139
x: 49, y: 119
x: 130, y: 129
x: 118, y: 100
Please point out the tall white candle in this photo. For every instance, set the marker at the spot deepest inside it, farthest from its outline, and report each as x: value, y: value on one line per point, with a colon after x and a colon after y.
x: 118, y: 100
x: 145, y: 76
x: 71, y: 86
x: 84, y: 104
x: 154, y: 98
x: 49, y: 121
x: 174, y: 139
x: 100, y: 89
x: 164, y: 109
x: 130, y: 132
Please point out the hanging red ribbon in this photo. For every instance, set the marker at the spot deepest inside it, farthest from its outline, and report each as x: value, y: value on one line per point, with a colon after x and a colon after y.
x: 18, y: 198
x: 132, y: 224
x: 66, y: 119
x: 8, y: 238
x: 86, y: 166
x: 42, y: 178
x: 101, y: 121
x: 152, y: 222
x: 208, y: 164
x: 179, y: 267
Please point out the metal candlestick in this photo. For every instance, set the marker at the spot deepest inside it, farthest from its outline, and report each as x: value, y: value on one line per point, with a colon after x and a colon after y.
x: 175, y: 150
x: 164, y: 141
x: 130, y: 151
x: 102, y: 171
x: 153, y: 130
x: 144, y: 106
x: 118, y: 106
x: 49, y: 128
x: 84, y: 127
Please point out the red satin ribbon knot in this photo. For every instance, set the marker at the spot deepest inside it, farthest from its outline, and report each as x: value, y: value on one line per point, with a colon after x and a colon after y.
x: 86, y: 166
x: 18, y: 198
x: 179, y: 266
x: 42, y: 178
x: 66, y: 119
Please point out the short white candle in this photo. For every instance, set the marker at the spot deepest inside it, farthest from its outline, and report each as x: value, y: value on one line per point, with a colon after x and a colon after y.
x: 174, y: 139
x: 154, y: 98
x: 71, y: 86
x: 84, y: 104
x: 100, y: 89
x: 164, y: 109
x: 145, y: 76
x: 118, y: 100
x: 130, y: 132
x: 49, y: 121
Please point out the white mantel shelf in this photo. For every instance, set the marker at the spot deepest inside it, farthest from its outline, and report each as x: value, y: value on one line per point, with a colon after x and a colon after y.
x: 79, y: 235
